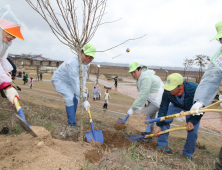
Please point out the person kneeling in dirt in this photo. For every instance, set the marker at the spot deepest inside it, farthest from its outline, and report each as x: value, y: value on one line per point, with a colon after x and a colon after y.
x: 178, y: 96
x: 150, y: 88
x: 66, y: 81
x: 210, y: 83
x: 106, y: 96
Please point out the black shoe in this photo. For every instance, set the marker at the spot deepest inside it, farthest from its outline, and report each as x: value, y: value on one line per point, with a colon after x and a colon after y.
x: 74, y: 125
x: 4, y: 130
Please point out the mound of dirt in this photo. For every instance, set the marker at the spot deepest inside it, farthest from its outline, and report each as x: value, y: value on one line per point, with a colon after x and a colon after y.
x: 119, y: 126
x: 111, y: 141
x: 136, y: 123
x: 42, y: 152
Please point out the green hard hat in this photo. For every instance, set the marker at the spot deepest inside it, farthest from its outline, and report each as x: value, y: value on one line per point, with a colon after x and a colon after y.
x: 133, y: 66
x: 173, y: 80
x: 89, y: 50
x: 219, y: 30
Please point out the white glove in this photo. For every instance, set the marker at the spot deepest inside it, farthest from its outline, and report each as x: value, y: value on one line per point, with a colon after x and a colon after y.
x: 220, y: 98
x: 86, y: 104
x: 196, y: 107
x: 11, y: 93
x: 85, y: 95
x: 130, y: 112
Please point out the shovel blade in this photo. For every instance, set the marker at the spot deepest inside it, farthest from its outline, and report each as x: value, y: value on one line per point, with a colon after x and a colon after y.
x: 26, y: 126
x: 96, y: 135
x: 121, y: 120
x: 134, y: 138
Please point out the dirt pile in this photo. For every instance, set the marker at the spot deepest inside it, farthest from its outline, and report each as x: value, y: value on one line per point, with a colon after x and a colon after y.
x: 111, y: 141
x: 136, y: 123
x: 119, y: 126
x: 42, y: 152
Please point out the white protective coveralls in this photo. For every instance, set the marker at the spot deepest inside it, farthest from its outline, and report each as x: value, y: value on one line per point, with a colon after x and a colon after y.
x: 66, y: 82
x: 210, y: 82
x: 5, y: 66
x: 150, y: 88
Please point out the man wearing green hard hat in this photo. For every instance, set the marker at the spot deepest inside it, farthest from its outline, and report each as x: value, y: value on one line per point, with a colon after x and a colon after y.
x: 210, y: 82
x: 178, y: 96
x: 150, y: 88
x: 66, y: 81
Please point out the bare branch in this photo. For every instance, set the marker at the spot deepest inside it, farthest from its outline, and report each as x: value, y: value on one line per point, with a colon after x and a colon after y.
x: 122, y: 43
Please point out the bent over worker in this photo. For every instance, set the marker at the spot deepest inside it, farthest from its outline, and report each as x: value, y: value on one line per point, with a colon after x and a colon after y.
x: 178, y: 96
x: 210, y: 83
x: 66, y: 81
x: 9, y: 30
x: 150, y: 88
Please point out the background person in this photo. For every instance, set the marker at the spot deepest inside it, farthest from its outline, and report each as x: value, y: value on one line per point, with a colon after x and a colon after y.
x: 98, y: 90
x: 150, y: 88
x: 31, y: 82
x: 94, y: 91
x: 106, y: 96
x: 178, y: 96
x: 66, y: 81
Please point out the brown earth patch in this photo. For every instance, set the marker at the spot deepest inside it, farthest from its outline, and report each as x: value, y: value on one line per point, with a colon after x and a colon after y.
x: 111, y: 141
x: 119, y: 126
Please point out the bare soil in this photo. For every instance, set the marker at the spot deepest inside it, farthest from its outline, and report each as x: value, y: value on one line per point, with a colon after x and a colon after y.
x: 119, y: 126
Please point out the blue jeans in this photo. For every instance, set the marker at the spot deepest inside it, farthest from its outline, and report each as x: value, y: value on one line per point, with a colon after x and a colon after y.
x: 189, y: 147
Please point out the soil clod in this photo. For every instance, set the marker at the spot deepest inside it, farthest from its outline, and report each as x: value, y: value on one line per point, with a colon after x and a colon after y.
x: 119, y: 126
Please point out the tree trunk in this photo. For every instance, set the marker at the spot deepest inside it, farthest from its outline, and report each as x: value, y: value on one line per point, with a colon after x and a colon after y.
x: 81, y: 94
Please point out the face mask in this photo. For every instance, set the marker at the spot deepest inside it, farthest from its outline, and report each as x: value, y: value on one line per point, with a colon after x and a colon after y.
x: 180, y: 92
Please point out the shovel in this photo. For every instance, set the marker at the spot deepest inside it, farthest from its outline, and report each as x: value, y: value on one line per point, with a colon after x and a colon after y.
x: 121, y: 120
x: 205, y: 109
x: 95, y: 135
x: 21, y: 118
x: 134, y: 138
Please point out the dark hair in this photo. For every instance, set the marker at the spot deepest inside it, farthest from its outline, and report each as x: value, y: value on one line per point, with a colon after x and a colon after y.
x: 138, y: 68
x: 82, y: 51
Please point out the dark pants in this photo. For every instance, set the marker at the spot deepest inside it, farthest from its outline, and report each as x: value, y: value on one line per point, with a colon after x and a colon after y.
x: 105, y: 105
x: 218, y: 165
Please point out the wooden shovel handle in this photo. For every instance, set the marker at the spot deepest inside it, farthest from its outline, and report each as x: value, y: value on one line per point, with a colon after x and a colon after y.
x: 90, y: 116
x: 182, y: 127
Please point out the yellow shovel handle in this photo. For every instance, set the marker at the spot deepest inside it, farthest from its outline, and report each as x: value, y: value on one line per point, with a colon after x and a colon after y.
x: 182, y: 127
x: 90, y: 117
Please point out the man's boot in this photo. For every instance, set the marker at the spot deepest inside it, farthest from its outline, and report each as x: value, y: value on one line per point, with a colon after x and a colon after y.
x: 218, y: 165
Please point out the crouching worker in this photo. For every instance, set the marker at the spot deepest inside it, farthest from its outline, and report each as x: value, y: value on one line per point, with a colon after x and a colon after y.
x: 106, y: 96
x: 178, y: 96
x: 150, y: 88
x: 9, y: 30
x: 66, y: 81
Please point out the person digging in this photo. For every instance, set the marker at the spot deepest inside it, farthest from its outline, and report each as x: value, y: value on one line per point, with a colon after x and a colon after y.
x: 9, y: 30
x: 210, y: 83
x: 66, y: 81
x: 106, y: 96
x: 150, y: 88
x: 178, y: 96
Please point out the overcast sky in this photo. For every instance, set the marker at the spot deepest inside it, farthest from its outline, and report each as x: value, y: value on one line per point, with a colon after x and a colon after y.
x: 175, y: 29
